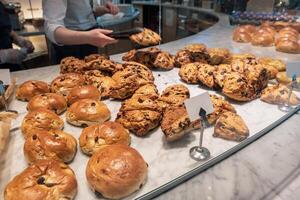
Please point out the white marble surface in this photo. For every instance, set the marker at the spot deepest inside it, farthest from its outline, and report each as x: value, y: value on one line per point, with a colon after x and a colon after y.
x: 242, y: 177
x: 166, y: 160
x: 267, y: 169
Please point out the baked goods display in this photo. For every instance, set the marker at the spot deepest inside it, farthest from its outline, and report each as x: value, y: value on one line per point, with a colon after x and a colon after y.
x: 231, y: 126
x: 242, y: 80
x: 86, y: 112
x: 146, y: 38
x: 98, y: 136
x: 29, y: 89
x: 220, y: 106
x: 92, y: 57
x: 53, y: 144
x: 51, y: 101
x: 284, y: 38
x: 176, y: 123
x: 243, y: 33
x: 288, y: 41
x: 152, y: 58
x: 72, y: 65
x: 102, y: 82
x: 116, y: 171
x: 133, y: 76
x: 83, y: 92
x: 45, y: 179
x: 141, y: 113
x: 64, y: 83
x: 173, y: 95
x: 218, y: 56
x: 40, y: 119
x: 278, y: 94
x: 192, y: 53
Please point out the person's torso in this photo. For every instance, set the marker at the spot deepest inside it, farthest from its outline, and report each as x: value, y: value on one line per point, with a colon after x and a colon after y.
x: 5, y: 27
x: 79, y: 15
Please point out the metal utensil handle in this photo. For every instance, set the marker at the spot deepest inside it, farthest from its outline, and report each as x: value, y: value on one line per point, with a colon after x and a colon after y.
x: 203, y: 123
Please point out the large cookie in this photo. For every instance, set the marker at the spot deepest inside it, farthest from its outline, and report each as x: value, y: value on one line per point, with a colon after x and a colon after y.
x: 189, y: 73
x: 278, y: 94
x: 231, y: 126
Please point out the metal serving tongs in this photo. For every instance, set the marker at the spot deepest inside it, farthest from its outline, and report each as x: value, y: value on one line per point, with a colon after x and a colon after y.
x: 126, y: 33
x: 3, y: 99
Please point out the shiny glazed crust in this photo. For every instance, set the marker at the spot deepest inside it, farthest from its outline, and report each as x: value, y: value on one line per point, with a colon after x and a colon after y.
x: 40, y: 119
x: 51, y: 101
x: 53, y: 144
x: 45, y: 179
x: 83, y: 92
x: 66, y: 82
x: 116, y: 171
x: 97, y: 136
x: 86, y: 112
x: 30, y: 88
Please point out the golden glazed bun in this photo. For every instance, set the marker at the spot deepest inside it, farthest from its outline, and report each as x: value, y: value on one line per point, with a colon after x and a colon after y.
x: 116, y: 171
x: 51, y: 101
x: 45, y: 179
x: 83, y: 92
x: 29, y: 89
x: 66, y: 82
x: 53, y: 144
x: 98, y: 136
x: 86, y: 112
x: 288, y: 46
x: 41, y: 119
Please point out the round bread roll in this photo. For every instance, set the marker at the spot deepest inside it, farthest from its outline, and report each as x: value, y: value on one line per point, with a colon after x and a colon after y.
x: 51, y: 101
x: 116, y: 171
x: 83, y: 92
x: 86, y: 112
x: 288, y: 46
x: 45, y: 179
x: 66, y: 82
x: 98, y: 136
x: 40, y: 119
x: 53, y: 144
x: 29, y: 89
x: 262, y: 39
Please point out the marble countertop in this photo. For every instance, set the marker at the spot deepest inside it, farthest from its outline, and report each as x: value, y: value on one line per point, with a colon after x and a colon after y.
x: 269, y: 168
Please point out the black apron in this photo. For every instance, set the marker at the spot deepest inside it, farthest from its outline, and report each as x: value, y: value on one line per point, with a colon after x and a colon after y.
x: 78, y: 51
x: 5, y: 39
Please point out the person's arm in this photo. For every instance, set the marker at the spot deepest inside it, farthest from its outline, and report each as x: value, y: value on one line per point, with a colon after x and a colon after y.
x: 57, y: 33
x: 95, y: 37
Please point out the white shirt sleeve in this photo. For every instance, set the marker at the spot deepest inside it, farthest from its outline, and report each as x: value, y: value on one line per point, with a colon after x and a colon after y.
x: 54, y: 12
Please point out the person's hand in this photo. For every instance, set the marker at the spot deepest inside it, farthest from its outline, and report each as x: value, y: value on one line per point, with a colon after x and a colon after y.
x: 12, y: 56
x: 22, y: 42
x: 101, y: 10
x: 113, y: 9
x: 99, y: 38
